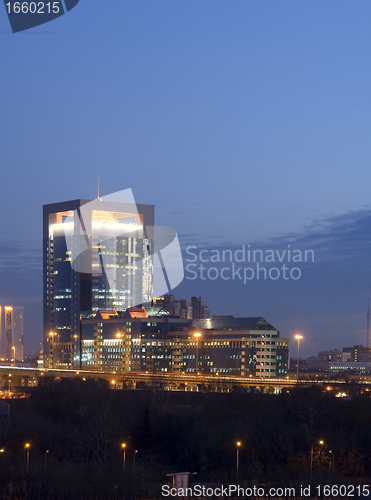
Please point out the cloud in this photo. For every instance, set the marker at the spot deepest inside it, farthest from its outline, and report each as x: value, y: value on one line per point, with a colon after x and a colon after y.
x: 341, y: 237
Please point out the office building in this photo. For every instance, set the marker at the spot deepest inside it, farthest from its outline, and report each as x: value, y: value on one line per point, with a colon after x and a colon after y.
x: 355, y: 354
x: 196, y: 308
x: 350, y: 368
x: 282, y: 355
x: 151, y: 340
x: 358, y: 353
x: 96, y: 256
x: 327, y: 357
x: 13, y: 333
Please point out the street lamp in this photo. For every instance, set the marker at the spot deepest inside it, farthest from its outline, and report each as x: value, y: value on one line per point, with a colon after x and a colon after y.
x: 197, y: 335
x: 298, y: 338
x: 51, y: 349
x: 119, y: 338
x: 135, y: 452
x: 13, y: 347
x: 74, y: 351
x: 333, y: 461
x: 46, y: 461
x: 238, y: 444
x: 27, y: 446
x: 321, y: 443
x: 123, y: 446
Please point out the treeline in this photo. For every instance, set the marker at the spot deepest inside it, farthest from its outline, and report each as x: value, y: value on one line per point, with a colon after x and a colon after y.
x: 83, y: 425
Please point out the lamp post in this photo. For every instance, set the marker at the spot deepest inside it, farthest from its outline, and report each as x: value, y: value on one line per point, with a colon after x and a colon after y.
x: 135, y: 452
x: 197, y: 335
x: 238, y: 444
x: 321, y: 442
x: 13, y: 347
x: 46, y: 461
x: 333, y: 462
x: 51, y: 349
x: 123, y: 446
x: 74, y: 351
x: 298, y: 338
x: 27, y: 446
x: 119, y: 337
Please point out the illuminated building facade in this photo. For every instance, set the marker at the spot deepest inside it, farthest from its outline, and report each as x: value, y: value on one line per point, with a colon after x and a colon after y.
x: 95, y: 257
x: 153, y: 341
x: 282, y: 355
x: 13, y: 332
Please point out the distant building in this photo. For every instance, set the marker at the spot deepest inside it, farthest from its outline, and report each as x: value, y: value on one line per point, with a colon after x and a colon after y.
x: 355, y: 354
x: 325, y: 357
x: 13, y: 332
x: 312, y: 363
x: 195, y: 308
x: 355, y: 367
x: 358, y: 353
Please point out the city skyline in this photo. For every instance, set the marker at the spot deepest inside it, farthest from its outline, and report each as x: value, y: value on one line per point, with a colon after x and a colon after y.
x: 280, y: 248
x: 241, y: 124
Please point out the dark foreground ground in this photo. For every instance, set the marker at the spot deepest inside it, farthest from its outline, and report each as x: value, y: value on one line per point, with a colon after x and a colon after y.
x: 84, y: 423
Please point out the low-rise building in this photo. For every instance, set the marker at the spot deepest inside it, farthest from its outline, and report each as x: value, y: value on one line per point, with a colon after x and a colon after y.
x: 150, y: 339
x: 354, y: 367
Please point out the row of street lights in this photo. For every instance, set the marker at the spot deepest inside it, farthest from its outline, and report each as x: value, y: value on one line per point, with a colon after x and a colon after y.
x: 28, y: 447
x: 321, y: 443
x: 123, y: 446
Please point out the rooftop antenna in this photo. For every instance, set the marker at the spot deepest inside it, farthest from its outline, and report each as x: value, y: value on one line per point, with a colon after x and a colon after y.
x: 368, y: 319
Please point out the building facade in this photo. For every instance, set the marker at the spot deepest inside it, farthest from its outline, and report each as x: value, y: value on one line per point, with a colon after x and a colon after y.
x: 96, y: 256
x: 151, y: 340
x: 195, y: 308
x: 355, y: 354
x: 13, y: 333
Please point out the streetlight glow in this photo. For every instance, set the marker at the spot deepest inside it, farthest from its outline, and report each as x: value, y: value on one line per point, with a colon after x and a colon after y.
x: 27, y: 446
x: 238, y: 444
x: 197, y: 335
x: 123, y: 446
x: 298, y: 337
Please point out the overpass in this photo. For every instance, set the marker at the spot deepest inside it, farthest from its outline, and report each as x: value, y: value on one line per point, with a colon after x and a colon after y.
x: 15, y: 378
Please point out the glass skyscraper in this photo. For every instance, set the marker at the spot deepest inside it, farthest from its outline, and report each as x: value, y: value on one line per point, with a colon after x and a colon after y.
x: 97, y: 255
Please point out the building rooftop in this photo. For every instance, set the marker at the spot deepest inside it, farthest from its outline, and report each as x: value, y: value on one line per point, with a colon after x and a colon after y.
x: 232, y: 323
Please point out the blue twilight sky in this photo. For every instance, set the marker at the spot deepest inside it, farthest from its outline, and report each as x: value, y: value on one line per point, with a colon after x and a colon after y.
x: 242, y: 121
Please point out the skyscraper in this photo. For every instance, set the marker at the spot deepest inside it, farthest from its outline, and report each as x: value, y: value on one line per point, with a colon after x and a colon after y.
x: 13, y: 332
x: 96, y: 255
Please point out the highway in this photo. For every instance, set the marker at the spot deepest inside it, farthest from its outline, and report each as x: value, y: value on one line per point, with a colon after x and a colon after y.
x: 16, y: 376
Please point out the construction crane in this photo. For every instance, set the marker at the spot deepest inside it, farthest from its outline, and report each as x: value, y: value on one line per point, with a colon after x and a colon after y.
x: 368, y: 318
